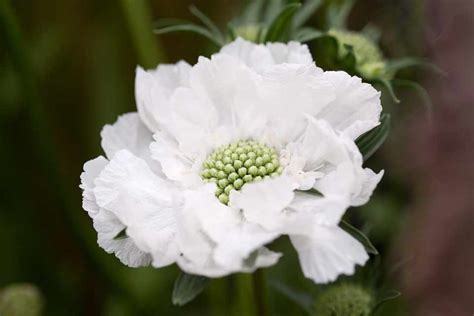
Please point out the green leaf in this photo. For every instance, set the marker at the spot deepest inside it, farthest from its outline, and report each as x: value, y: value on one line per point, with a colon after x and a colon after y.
x: 307, y: 34
x: 303, y: 300
x: 373, y: 139
x: 387, y: 84
x: 231, y: 32
x: 425, y: 97
x: 252, y: 12
x: 338, y: 12
x: 360, y: 236
x: 388, y: 296
x: 187, y: 287
x: 189, y: 27
x: 396, y: 65
x: 306, y: 11
x: 121, y: 235
x: 280, y: 28
x: 207, y: 21
x: 272, y: 9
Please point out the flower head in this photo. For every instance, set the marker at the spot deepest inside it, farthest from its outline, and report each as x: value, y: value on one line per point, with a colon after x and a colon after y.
x: 224, y: 156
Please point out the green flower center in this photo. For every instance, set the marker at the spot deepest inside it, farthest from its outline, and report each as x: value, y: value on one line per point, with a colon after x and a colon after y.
x: 233, y: 165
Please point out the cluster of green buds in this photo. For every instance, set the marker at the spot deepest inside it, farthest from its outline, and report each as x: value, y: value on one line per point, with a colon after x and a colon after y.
x: 233, y: 165
x: 344, y: 299
x: 370, y: 62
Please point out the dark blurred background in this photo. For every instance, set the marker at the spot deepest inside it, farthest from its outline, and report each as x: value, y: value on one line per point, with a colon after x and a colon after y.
x: 76, y: 73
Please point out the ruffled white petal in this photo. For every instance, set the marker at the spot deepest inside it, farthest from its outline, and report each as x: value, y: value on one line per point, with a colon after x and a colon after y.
x: 264, y: 202
x: 175, y: 164
x: 232, y: 88
x: 153, y: 89
x: 127, y: 133
x: 351, y: 182
x: 108, y: 226
x: 92, y: 169
x: 327, y: 253
x: 142, y: 202
x: 288, y: 93
x: 356, y: 108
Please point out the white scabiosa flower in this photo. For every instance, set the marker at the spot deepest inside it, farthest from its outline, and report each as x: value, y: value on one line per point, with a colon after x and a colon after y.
x: 227, y: 155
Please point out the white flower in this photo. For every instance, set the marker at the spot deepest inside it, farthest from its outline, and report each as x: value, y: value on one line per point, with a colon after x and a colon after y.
x: 225, y: 156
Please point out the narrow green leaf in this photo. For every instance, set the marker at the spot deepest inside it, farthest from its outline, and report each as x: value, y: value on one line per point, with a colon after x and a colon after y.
x: 303, y: 300
x: 372, y: 140
x: 187, y: 287
x: 231, y: 32
x: 306, y: 11
x: 372, y: 32
x: 307, y: 34
x: 338, y: 12
x: 360, y: 236
x: 388, y: 296
x: 207, y: 21
x: 387, y: 84
x: 281, y: 26
x: 425, y: 97
x: 396, y: 65
x: 165, y: 22
x: 193, y: 28
x: 252, y: 12
x: 121, y: 235
x: 272, y: 9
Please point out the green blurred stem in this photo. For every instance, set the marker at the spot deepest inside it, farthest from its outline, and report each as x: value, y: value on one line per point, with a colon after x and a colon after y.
x: 260, y: 292
x: 140, y: 26
x: 245, y: 304
x: 45, y: 151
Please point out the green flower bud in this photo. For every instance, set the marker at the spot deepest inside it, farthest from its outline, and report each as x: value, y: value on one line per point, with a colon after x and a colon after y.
x: 370, y: 62
x: 344, y: 300
x: 21, y: 300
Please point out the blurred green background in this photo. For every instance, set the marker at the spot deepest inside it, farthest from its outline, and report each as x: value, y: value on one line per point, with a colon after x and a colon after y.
x: 78, y: 69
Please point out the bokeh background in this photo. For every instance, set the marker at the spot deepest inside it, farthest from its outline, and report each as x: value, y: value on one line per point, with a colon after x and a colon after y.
x: 75, y: 73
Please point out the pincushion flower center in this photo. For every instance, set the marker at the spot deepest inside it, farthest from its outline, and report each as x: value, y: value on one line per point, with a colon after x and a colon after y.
x: 232, y: 166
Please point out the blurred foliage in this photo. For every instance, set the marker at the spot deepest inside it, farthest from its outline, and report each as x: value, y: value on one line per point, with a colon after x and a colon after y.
x: 81, y: 57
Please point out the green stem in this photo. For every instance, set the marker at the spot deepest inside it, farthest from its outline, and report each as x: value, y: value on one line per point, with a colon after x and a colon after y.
x: 245, y: 304
x: 260, y: 292
x: 140, y: 27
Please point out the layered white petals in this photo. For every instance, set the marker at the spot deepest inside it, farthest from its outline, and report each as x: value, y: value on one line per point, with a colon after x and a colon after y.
x: 142, y: 202
x: 327, y: 253
x: 356, y: 108
x: 334, y: 164
x: 215, y: 241
x: 106, y: 223
x: 153, y: 90
x: 261, y: 57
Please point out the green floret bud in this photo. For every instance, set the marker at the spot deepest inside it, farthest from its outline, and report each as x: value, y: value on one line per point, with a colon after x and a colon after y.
x: 232, y: 166
x: 370, y: 62
x: 224, y: 198
x: 238, y: 164
x: 344, y: 300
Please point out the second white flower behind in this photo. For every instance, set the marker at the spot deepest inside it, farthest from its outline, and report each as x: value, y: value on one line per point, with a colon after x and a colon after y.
x: 227, y: 155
